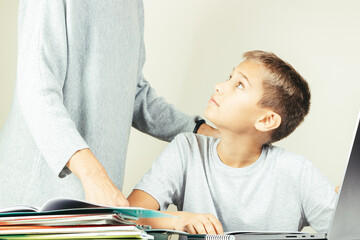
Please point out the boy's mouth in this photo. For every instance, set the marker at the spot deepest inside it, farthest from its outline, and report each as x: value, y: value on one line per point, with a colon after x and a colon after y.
x: 212, y: 100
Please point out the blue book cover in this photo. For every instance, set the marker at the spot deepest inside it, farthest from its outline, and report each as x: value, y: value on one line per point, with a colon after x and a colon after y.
x: 73, y: 206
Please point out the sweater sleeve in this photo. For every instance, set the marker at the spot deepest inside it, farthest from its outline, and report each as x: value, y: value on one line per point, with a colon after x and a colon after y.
x: 152, y: 114
x: 42, y: 65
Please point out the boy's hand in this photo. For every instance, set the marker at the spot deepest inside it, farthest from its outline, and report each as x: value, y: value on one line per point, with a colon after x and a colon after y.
x: 193, y: 223
x: 197, y: 223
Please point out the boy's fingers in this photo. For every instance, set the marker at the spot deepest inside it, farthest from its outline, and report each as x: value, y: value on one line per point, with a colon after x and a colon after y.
x: 217, y: 225
x: 209, y: 227
x: 190, y: 229
x: 199, y: 227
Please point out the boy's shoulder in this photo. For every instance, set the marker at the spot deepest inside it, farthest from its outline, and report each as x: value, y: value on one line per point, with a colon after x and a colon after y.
x: 191, y: 142
x: 192, y: 138
x: 286, y: 160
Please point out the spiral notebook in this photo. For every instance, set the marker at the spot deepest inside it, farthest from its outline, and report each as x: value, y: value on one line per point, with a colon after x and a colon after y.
x: 167, y: 234
x: 210, y: 237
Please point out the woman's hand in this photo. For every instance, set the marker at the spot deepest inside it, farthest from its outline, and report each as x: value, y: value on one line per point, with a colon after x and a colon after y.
x: 100, y: 189
x: 97, y: 185
x: 196, y: 223
x: 207, y: 130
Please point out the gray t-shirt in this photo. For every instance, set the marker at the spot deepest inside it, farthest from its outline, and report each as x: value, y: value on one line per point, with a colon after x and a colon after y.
x: 281, y: 191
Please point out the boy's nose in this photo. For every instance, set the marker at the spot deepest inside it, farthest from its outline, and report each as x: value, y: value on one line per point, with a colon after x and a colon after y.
x: 218, y: 88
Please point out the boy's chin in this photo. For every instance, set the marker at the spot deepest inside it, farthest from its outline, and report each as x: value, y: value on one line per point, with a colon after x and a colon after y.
x: 209, y: 115
x: 214, y: 121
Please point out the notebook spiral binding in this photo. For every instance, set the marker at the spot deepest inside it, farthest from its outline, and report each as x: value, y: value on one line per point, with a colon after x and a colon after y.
x: 219, y: 237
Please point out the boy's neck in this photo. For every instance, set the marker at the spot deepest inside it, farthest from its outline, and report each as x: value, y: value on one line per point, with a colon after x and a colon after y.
x: 238, y: 151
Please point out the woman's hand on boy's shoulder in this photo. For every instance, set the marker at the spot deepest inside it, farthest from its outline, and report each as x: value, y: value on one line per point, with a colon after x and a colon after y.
x: 197, y: 223
x: 207, y: 130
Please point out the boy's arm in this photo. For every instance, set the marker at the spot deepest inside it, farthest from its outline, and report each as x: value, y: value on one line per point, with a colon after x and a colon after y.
x: 194, y: 223
x: 317, y: 197
x: 164, y: 185
x: 142, y: 199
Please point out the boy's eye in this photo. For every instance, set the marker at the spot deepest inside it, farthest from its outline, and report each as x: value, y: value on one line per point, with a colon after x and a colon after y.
x: 240, y: 85
x: 229, y: 78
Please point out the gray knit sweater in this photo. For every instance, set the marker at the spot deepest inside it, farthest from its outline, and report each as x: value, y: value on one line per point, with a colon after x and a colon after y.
x: 79, y: 85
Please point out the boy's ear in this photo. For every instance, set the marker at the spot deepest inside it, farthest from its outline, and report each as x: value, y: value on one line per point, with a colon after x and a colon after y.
x: 268, y: 122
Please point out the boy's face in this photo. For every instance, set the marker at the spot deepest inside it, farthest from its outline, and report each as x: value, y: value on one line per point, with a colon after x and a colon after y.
x: 233, y: 106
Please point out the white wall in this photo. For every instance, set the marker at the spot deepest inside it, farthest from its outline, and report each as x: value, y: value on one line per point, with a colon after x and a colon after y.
x: 191, y: 45
x: 8, y: 52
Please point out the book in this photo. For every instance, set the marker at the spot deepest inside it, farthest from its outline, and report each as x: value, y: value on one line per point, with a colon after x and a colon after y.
x: 102, y: 235
x: 64, y: 220
x: 74, y: 219
x: 8, y: 230
x: 73, y: 206
x: 82, y: 227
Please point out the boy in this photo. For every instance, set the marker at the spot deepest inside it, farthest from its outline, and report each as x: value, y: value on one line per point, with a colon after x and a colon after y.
x: 241, y: 180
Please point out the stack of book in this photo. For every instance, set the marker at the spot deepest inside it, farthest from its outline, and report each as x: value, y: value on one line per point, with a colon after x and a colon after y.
x: 73, y: 219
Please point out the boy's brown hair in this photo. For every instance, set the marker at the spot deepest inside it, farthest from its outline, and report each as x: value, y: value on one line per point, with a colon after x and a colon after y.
x: 285, y: 91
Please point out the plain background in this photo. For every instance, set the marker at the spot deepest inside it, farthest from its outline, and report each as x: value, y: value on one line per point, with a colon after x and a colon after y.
x: 192, y: 45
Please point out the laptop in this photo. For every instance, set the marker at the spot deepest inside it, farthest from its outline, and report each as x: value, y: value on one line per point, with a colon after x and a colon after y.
x: 345, y: 221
